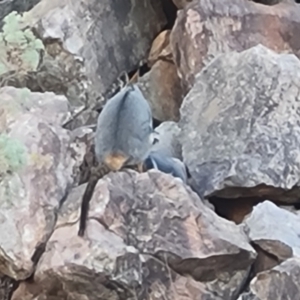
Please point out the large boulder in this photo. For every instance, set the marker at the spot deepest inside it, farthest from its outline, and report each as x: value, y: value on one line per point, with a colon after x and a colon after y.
x: 148, y: 236
x: 240, y: 126
x: 37, y: 157
x: 204, y: 29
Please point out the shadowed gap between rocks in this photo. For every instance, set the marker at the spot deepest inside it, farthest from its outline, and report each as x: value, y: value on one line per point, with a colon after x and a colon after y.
x: 170, y: 11
x: 271, y: 2
x: 230, y: 203
x: 7, y: 287
x: 267, y: 2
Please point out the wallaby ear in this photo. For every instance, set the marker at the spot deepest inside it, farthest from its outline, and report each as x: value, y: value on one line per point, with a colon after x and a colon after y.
x: 188, y: 174
x: 154, y: 137
x: 123, y: 79
x: 155, y: 140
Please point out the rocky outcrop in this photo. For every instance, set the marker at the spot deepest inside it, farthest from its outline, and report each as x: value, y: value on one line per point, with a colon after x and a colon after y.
x: 147, y: 234
x: 204, y: 29
x: 64, y: 54
x: 99, y: 34
x: 240, y: 126
x: 230, y: 111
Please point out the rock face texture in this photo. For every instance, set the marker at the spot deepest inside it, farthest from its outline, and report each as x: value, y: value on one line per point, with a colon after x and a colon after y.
x: 121, y: 31
x: 279, y: 283
x: 36, y: 166
x: 224, y: 84
x: 138, y: 223
x: 82, y: 48
x: 204, y: 29
x: 240, y: 126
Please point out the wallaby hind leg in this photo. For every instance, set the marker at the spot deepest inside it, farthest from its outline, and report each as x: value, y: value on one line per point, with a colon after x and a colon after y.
x: 96, y: 174
x: 138, y: 167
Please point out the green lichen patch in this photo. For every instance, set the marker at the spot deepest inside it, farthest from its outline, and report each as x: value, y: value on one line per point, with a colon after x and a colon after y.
x: 19, y: 49
x: 12, y: 154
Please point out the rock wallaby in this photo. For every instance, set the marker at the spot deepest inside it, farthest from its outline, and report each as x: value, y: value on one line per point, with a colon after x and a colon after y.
x: 123, y: 139
x: 166, y: 164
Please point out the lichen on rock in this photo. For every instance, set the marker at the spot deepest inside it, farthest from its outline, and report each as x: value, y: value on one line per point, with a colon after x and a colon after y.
x: 19, y: 48
x: 12, y: 154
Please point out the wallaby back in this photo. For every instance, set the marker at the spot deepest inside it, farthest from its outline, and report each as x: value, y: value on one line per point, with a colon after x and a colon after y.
x: 124, y: 128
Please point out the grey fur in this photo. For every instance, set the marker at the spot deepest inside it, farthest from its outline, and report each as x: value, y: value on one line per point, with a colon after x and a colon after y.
x: 160, y: 161
x: 125, y: 126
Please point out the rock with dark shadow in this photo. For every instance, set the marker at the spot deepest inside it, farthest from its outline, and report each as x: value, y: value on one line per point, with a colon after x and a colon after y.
x: 240, y: 126
x: 148, y: 237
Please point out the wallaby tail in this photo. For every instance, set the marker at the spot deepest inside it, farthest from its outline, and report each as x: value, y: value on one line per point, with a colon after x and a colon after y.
x: 85, y: 205
x: 96, y: 174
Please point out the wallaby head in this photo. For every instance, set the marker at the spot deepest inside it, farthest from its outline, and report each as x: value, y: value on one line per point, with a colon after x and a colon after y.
x: 160, y: 161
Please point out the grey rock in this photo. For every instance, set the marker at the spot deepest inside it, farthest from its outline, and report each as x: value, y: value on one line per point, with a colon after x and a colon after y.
x: 274, y: 230
x: 240, y: 126
x: 108, y: 36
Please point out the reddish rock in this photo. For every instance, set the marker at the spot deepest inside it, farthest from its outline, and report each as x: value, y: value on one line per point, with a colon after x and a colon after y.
x: 160, y: 48
x: 206, y: 28
x: 162, y: 88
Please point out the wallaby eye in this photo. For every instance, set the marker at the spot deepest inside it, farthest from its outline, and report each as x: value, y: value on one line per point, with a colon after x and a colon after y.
x: 155, y: 140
